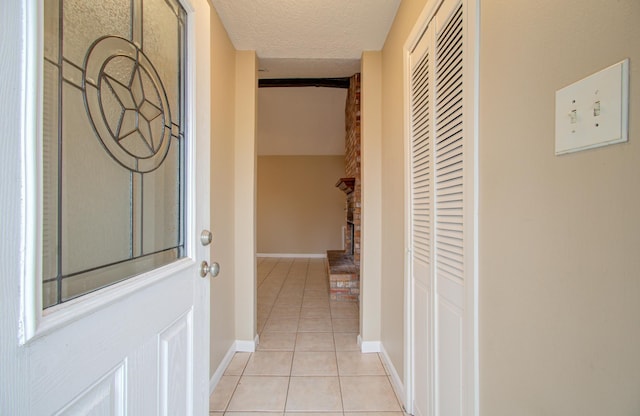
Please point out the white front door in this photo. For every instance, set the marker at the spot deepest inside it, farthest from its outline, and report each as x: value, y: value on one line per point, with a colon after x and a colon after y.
x: 102, y: 345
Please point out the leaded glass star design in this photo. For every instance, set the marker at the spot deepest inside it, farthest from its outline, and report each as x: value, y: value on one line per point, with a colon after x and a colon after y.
x: 127, y: 104
x: 139, y: 105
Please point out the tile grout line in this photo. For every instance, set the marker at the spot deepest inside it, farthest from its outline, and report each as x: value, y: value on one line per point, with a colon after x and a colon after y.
x: 276, y: 299
x: 226, y: 408
x: 267, y: 275
x: 295, y: 342
x: 257, y: 291
x: 335, y: 346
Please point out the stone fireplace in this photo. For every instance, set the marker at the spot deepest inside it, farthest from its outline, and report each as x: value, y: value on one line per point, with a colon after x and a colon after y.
x: 347, y: 185
x: 344, y: 266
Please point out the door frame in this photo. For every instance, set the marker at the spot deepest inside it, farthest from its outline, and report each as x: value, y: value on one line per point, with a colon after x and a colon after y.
x: 470, y: 376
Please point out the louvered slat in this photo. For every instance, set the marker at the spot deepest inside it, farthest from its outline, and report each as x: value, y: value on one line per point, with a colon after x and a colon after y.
x: 449, y: 150
x: 421, y: 149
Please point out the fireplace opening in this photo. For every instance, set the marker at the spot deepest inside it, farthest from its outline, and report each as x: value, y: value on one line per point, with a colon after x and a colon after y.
x: 350, y: 239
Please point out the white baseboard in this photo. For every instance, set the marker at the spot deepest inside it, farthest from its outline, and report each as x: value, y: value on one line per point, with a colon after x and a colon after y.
x: 217, y: 375
x: 396, y: 381
x: 247, y: 346
x: 237, y: 346
x: 294, y: 255
x: 368, y: 346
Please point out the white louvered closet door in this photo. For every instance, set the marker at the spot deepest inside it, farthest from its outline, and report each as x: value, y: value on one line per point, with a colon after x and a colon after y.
x: 438, y: 180
x: 421, y: 221
x: 450, y: 239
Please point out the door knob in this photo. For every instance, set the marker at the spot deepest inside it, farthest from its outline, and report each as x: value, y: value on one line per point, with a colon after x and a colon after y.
x: 206, y: 237
x: 205, y: 269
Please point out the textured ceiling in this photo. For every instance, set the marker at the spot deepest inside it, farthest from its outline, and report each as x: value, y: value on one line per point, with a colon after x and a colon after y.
x: 307, y: 38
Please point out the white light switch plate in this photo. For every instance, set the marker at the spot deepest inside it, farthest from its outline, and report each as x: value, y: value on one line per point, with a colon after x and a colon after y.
x: 594, y: 111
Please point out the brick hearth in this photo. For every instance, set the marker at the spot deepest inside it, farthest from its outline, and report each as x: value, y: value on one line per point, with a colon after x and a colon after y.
x: 343, y: 276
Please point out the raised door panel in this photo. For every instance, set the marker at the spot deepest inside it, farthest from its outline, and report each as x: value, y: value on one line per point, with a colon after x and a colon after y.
x: 423, y: 336
x: 449, y: 358
x: 107, y: 397
x: 174, y: 365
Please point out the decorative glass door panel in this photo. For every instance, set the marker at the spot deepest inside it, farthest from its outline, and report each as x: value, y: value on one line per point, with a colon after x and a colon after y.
x: 112, y: 142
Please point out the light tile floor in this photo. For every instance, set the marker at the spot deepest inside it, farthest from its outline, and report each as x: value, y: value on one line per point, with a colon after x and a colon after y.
x: 308, y: 361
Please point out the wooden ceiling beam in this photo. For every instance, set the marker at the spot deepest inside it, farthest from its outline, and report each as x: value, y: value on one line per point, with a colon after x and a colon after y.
x: 304, y: 82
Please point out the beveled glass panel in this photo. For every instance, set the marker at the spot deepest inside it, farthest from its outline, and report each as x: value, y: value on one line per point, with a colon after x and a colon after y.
x: 83, y: 283
x: 49, y: 293
x: 120, y: 70
x: 84, y: 21
x: 95, y: 194
x: 50, y: 171
x: 113, y: 191
x: 161, y: 202
x: 72, y: 73
x: 136, y: 214
x: 51, y: 27
x: 161, y: 46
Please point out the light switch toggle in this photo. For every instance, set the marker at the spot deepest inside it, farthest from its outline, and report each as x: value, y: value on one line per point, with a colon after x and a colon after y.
x: 596, y: 108
x: 574, y: 116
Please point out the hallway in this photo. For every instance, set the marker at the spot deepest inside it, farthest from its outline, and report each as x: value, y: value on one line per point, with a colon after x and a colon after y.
x: 308, y: 359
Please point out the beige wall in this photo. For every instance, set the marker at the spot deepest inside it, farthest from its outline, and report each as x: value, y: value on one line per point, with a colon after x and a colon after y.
x: 371, y: 250
x: 233, y: 178
x: 245, y: 194
x: 222, y: 191
x: 299, y: 208
x: 559, y: 236
x: 301, y: 121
